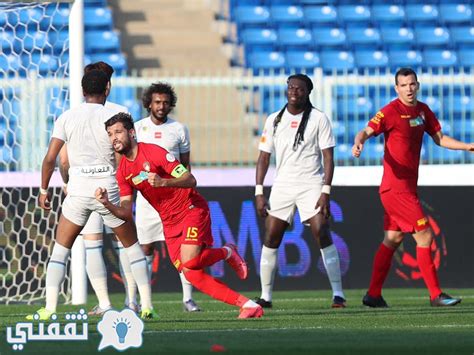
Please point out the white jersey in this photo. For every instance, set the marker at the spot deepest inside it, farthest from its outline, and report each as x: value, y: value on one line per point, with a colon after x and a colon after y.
x: 174, y: 137
x: 303, y: 165
x: 116, y: 107
x: 171, y: 135
x: 91, y: 155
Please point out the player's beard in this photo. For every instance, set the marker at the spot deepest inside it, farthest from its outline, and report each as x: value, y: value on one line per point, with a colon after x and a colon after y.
x: 126, y: 146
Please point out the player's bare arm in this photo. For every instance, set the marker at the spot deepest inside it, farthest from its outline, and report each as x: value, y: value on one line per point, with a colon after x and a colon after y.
x: 360, y: 139
x: 328, y: 162
x: 448, y: 142
x: 124, y: 211
x: 185, y: 159
x: 47, y: 169
x: 184, y: 180
x: 263, y: 163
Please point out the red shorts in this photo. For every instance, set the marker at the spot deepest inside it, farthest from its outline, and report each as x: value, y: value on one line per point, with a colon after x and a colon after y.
x: 403, y: 212
x: 195, y: 229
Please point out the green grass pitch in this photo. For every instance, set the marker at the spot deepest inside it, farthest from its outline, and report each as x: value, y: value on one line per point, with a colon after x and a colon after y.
x: 300, y: 322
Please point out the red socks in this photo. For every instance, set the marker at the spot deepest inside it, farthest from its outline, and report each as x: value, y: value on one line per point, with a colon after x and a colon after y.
x: 214, y: 288
x: 428, y: 270
x: 207, y: 257
x: 381, y: 267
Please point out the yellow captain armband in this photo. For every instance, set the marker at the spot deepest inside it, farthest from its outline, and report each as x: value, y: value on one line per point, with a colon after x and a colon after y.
x: 178, y: 171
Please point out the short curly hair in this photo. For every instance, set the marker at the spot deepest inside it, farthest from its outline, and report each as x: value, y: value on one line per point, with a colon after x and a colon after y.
x: 159, y: 88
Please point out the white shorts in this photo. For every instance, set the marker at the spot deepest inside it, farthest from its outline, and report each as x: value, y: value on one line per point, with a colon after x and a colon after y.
x: 77, y: 209
x: 284, y: 201
x: 95, y: 225
x: 148, y: 221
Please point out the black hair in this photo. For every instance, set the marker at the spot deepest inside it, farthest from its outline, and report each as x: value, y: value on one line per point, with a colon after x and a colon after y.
x: 159, y: 88
x: 404, y: 72
x: 102, y: 66
x: 125, y: 118
x: 94, y: 82
x: 299, y: 137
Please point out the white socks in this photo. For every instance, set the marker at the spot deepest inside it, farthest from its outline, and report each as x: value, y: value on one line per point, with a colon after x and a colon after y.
x: 187, y: 288
x: 55, y: 274
x: 138, y: 266
x: 268, y: 263
x: 333, y: 269
x: 96, y: 271
x: 126, y: 273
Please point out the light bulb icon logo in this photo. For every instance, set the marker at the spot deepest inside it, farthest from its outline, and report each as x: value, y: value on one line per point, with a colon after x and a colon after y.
x: 121, y: 327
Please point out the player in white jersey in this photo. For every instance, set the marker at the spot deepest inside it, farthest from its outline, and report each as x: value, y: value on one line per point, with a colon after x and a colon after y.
x: 92, y: 165
x: 92, y: 233
x: 158, y: 128
x: 302, y: 140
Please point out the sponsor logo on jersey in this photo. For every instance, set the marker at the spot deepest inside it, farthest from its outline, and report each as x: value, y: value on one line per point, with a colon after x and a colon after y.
x: 143, y: 176
x: 170, y: 157
x: 157, y: 135
x: 418, y: 121
x: 294, y: 124
x: 129, y: 176
x: 405, y: 116
x: 422, y: 222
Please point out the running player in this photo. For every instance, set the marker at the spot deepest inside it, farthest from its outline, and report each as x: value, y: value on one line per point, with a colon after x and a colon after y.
x: 169, y: 187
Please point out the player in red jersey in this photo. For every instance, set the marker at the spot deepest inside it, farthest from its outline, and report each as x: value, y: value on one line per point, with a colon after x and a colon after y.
x: 169, y: 187
x: 403, y: 123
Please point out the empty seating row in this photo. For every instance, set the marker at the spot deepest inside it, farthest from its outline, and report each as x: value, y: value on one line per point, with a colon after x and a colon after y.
x: 457, y: 37
x: 345, y: 60
x: 413, y: 13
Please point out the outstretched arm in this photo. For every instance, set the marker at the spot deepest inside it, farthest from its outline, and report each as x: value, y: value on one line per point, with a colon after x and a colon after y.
x: 360, y: 139
x: 448, y: 142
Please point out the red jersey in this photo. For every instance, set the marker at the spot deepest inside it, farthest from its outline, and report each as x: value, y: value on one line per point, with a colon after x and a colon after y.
x: 403, y: 128
x: 171, y: 203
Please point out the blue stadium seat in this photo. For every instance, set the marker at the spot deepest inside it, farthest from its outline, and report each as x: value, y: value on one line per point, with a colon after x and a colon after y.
x: 466, y: 57
x: 60, y: 19
x: 439, y: 58
x: 338, y: 129
x: 355, y: 106
x: 259, y: 38
x: 43, y: 63
x: 432, y: 36
x: 455, y: 13
x: 302, y: 60
x: 320, y: 15
x: 95, y: 3
x: 337, y: 60
x: 251, y: 15
x: 373, y: 151
x: 291, y: 37
x: 463, y: 36
x: 371, y: 59
x: 58, y: 40
x: 419, y: 13
x: 443, y: 155
x: 98, y: 18
x: 116, y: 60
x: 101, y: 41
x: 32, y: 41
x: 395, y: 37
x: 329, y: 37
x: 266, y: 60
x: 283, y: 15
x: 405, y: 58
x: 353, y: 13
x: 9, y: 62
x: 464, y: 127
x: 362, y: 36
x: 462, y: 104
x: 394, y: 14
x: 343, y: 152
x: 433, y: 102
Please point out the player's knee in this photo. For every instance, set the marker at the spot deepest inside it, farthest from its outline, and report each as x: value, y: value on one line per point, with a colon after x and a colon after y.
x: 273, y: 243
